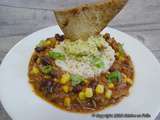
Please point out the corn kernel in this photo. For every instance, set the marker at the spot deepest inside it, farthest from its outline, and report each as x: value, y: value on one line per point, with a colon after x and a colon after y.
x: 34, y: 70
x: 88, y: 92
x: 100, y: 89
x: 124, y: 78
x: 48, y: 42
x: 111, y: 85
x: 38, y: 61
x: 53, y: 43
x: 65, y: 78
x: 67, y: 101
x: 81, y: 95
x: 124, y: 75
x: 108, y: 94
x: 119, y: 56
x: 129, y: 81
x: 86, y: 81
x: 65, y: 89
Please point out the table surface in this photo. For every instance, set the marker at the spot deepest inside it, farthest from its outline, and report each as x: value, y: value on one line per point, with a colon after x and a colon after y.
x: 19, y: 18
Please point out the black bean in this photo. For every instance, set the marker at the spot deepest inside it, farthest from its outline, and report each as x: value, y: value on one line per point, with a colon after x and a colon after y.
x: 45, y: 60
x: 47, y: 86
x: 93, y: 84
x: 59, y: 37
x: 39, y: 49
x: 56, y: 85
x: 77, y: 89
x: 49, y: 83
x: 90, y: 103
x: 54, y: 74
x: 45, y: 83
x: 49, y: 90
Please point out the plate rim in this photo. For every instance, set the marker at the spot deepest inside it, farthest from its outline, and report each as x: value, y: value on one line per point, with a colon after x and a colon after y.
x: 53, y: 27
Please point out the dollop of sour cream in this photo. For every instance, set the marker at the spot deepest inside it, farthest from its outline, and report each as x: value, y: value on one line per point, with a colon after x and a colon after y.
x: 86, y: 58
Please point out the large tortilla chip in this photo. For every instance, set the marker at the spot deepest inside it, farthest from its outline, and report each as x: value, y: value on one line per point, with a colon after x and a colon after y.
x: 88, y: 19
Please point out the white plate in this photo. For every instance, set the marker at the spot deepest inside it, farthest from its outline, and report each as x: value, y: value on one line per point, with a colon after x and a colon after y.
x: 22, y: 104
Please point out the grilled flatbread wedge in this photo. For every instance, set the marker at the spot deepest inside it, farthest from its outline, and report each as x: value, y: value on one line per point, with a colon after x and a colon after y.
x: 88, y: 19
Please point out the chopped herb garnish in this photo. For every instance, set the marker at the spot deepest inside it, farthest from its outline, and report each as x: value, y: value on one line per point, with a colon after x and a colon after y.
x: 114, y: 76
x: 98, y: 62
x: 46, y: 69
x: 56, y: 55
x: 76, y: 79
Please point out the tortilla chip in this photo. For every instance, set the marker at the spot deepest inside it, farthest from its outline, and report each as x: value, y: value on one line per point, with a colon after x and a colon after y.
x: 88, y: 19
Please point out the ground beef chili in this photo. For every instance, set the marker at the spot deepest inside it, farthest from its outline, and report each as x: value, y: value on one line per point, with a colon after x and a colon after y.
x: 91, y: 95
